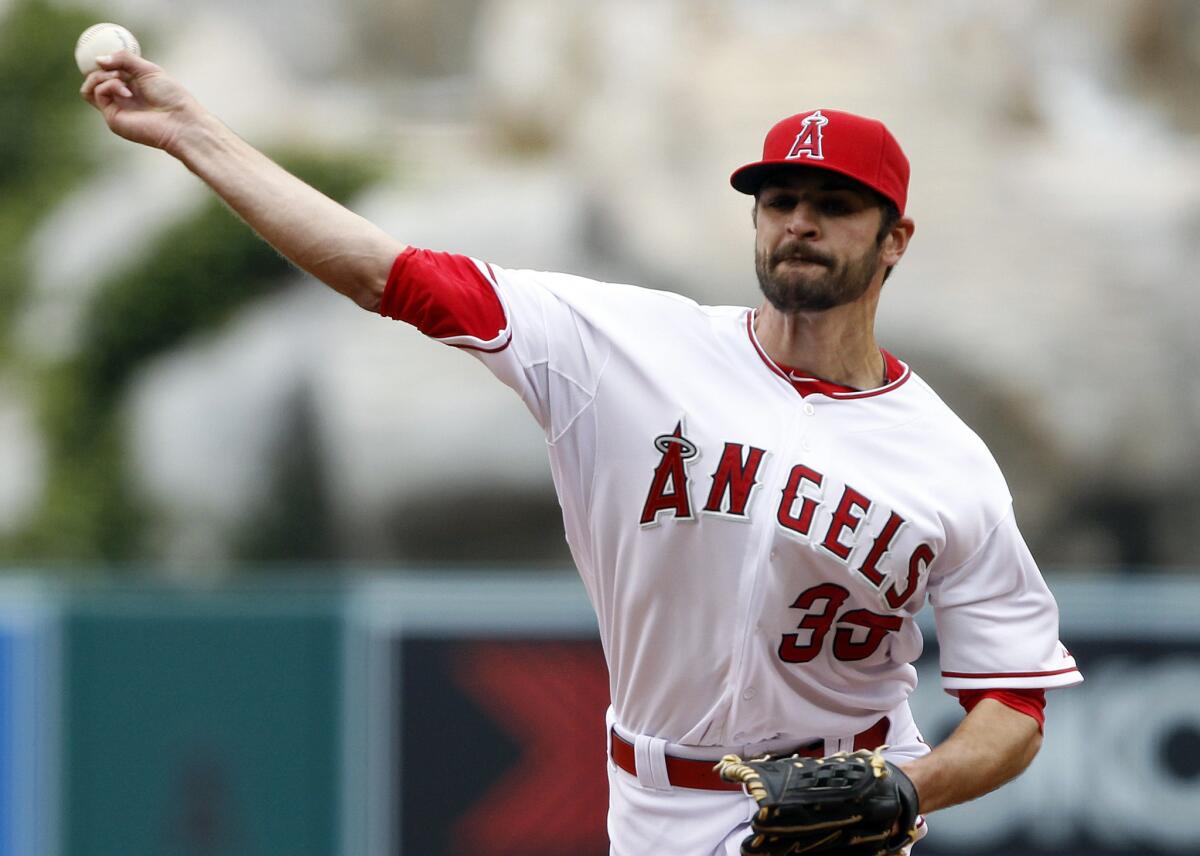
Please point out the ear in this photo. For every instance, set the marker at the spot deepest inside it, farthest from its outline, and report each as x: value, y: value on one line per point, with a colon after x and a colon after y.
x: 754, y: 212
x: 895, y: 243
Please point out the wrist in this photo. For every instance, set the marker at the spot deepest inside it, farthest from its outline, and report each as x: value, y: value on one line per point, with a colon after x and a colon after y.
x: 198, y: 133
x: 905, y: 829
x: 921, y: 774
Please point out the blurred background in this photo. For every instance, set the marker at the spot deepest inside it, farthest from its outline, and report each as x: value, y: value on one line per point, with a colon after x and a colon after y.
x: 263, y: 549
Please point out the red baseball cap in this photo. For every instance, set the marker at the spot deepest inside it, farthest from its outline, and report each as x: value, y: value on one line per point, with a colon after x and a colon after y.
x: 855, y: 146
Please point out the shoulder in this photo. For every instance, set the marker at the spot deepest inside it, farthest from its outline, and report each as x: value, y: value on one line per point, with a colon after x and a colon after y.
x: 959, y: 442
x: 574, y: 287
x: 612, y: 303
x: 977, y: 499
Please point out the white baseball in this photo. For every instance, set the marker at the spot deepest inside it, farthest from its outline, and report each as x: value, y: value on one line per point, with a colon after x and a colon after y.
x: 100, y: 39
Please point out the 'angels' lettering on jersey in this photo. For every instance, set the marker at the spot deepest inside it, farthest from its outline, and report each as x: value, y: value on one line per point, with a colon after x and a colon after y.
x: 734, y: 481
x: 841, y: 533
x: 669, y: 489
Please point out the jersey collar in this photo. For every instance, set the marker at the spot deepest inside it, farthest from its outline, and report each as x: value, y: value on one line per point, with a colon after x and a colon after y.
x: 895, y: 372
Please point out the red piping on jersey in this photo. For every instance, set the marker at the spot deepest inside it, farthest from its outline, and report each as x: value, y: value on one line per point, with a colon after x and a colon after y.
x: 1009, y: 674
x: 824, y: 387
x: 495, y: 350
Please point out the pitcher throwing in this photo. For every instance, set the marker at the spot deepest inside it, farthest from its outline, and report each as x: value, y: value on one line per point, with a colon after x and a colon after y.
x: 759, y: 500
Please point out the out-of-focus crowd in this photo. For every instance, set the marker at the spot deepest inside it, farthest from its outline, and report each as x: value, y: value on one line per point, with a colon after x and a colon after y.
x: 1048, y: 294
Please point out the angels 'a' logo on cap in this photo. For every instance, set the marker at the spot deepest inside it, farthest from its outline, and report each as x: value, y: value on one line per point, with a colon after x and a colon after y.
x: 809, y: 140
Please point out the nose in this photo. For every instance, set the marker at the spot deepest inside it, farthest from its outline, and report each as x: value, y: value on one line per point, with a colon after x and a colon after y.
x: 803, y: 222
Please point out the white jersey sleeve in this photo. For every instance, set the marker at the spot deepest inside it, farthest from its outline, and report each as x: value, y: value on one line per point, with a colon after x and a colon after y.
x: 555, y: 359
x: 516, y: 322
x: 558, y: 330
x: 997, y: 622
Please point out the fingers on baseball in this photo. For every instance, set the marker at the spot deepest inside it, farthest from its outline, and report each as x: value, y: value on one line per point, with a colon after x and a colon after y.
x: 107, y: 91
x: 97, y: 78
x: 126, y: 62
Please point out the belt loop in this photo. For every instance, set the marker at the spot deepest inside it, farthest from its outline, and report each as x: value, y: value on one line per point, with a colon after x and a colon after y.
x: 650, y: 759
x: 833, y: 745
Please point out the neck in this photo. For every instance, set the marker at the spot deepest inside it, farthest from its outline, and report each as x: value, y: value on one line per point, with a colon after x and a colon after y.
x: 834, y: 344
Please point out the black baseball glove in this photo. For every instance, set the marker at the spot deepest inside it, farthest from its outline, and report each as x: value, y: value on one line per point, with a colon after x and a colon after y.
x: 854, y: 804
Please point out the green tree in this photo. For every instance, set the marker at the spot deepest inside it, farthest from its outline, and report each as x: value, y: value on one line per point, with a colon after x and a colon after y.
x: 43, y: 151
x: 193, y: 278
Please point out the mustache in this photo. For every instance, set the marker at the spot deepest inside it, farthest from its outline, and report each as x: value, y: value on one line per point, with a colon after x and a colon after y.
x: 800, y: 252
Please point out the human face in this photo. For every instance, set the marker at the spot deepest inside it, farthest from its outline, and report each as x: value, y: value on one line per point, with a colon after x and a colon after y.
x: 817, y: 243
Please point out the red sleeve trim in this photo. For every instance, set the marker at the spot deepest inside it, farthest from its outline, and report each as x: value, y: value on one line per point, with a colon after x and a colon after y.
x: 1009, y: 674
x: 445, y: 296
x: 1032, y: 703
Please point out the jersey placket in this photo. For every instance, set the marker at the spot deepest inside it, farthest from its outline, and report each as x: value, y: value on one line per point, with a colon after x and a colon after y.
x: 795, y: 441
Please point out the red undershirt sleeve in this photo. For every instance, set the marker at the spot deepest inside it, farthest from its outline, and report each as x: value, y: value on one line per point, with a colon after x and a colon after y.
x: 445, y: 296
x: 1031, y: 702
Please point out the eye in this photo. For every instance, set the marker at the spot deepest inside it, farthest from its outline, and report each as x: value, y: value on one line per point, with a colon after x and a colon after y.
x: 835, y: 206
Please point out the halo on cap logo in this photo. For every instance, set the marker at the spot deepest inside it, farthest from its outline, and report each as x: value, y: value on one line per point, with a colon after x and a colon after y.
x: 809, y: 140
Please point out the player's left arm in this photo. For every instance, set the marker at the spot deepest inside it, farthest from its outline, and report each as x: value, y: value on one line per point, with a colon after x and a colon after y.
x: 992, y: 745
x: 999, y: 652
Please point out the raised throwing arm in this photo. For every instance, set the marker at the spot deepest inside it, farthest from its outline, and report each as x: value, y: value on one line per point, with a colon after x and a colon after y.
x: 141, y: 103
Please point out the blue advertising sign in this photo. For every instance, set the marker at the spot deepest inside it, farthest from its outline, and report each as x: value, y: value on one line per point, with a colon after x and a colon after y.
x: 26, y: 721
x: 8, y: 700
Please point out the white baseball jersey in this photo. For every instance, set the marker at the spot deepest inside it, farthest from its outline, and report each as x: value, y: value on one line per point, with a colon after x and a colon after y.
x: 755, y: 545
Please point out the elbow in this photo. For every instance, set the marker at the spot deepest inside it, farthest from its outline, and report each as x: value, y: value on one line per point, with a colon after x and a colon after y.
x: 1022, y: 752
x: 363, y: 283
x: 369, y: 294
x: 370, y: 282
x: 1032, y: 747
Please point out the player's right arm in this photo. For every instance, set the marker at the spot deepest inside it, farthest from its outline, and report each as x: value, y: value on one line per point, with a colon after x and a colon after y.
x: 143, y: 104
x: 553, y: 361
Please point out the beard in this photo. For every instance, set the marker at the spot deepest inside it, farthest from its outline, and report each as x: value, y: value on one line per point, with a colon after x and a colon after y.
x: 828, y: 283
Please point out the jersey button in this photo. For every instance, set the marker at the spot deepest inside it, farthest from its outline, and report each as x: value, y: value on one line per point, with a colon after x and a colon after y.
x: 749, y: 693
x: 809, y: 410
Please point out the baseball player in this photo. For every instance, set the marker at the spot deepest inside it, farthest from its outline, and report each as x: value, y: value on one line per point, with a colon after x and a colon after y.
x: 759, y: 500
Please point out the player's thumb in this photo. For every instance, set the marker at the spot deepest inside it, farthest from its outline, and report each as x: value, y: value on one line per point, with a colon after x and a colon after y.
x: 125, y: 61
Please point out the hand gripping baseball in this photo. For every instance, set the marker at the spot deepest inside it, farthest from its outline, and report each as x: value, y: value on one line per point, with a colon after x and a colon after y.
x: 854, y: 804
x: 139, y: 101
